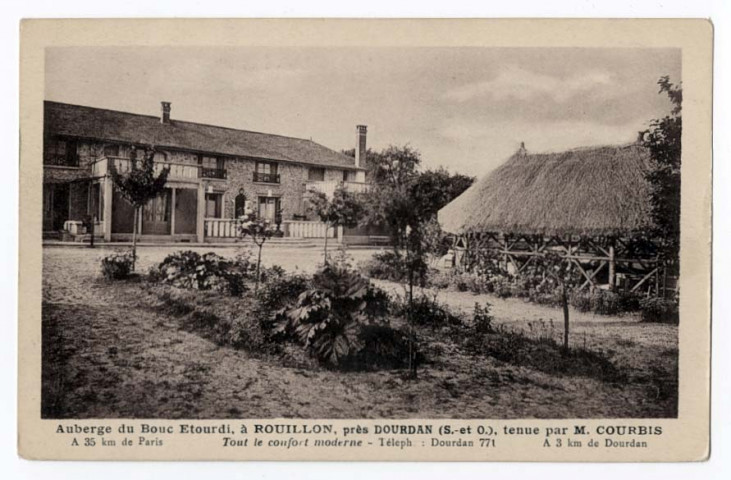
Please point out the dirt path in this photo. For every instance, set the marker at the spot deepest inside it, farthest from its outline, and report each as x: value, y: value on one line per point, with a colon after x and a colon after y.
x: 109, y: 354
x: 523, y: 315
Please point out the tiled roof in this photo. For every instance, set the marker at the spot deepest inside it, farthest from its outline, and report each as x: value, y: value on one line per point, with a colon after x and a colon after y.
x: 113, y: 126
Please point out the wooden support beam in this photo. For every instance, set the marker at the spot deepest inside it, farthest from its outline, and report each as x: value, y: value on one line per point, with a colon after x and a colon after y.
x: 593, y: 274
x: 108, y: 195
x: 643, y: 280
x: 612, y: 268
x: 512, y: 260
x: 525, y: 264
x: 583, y: 272
x: 173, y: 200
x: 200, y: 214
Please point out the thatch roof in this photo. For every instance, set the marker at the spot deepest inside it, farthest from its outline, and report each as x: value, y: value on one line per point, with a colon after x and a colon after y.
x: 586, y: 191
x: 113, y: 126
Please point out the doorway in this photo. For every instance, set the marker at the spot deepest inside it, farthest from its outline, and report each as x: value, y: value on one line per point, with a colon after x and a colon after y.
x: 268, y: 207
x: 59, y: 200
x: 156, y: 215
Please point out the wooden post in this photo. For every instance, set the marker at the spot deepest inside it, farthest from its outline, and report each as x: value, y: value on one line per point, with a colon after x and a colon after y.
x: 612, y: 268
x: 657, y: 283
x: 108, y: 195
x: 340, y: 233
x: 172, y: 212
x: 201, y: 213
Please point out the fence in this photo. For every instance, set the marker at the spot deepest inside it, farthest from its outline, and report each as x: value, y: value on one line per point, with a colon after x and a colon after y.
x: 229, y: 228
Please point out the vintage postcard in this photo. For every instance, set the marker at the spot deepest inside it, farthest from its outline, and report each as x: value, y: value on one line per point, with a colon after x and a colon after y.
x: 411, y: 240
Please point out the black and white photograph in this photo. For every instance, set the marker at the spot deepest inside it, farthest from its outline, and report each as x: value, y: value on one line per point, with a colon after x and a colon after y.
x: 356, y: 232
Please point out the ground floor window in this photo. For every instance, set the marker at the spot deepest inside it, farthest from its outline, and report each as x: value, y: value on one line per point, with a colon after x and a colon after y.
x: 268, y: 207
x: 214, y: 203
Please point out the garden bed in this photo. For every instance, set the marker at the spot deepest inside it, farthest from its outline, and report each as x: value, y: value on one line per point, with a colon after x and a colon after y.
x: 129, y: 349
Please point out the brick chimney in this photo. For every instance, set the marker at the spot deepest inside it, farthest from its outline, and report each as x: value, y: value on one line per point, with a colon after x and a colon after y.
x: 522, y: 150
x: 165, y: 117
x: 360, y: 145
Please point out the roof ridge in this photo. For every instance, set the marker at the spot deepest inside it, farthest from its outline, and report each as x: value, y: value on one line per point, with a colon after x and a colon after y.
x: 212, y: 138
x: 582, y: 149
x: 187, y: 122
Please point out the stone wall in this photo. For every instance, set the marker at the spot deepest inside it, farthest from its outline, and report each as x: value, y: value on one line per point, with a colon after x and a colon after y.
x: 240, y: 173
x: 333, y: 175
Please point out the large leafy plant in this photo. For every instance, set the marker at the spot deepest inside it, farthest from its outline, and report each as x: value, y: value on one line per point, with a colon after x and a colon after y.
x: 189, y: 269
x: 332, y: 316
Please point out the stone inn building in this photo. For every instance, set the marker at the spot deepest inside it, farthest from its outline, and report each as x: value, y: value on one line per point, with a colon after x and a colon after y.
x: 215, y: 174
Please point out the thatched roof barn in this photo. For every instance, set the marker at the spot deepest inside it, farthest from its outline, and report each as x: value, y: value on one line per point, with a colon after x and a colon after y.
x: 587, y: 204
x: 586, y: 191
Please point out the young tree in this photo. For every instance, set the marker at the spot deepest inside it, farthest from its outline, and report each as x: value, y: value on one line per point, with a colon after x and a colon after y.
x: 260, y: 230
x: 343, y: 210
x: 561, y: 272
x: 139, y: 186
x: 407, y: 201
x: 391, y: 202
x: 663, y: 140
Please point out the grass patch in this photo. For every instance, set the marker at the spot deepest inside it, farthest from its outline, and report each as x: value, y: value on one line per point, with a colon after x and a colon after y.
x: 227, y: 321
x: 545, y: 354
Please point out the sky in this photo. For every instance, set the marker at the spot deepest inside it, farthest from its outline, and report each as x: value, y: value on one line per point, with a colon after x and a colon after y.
x: 467, y: 109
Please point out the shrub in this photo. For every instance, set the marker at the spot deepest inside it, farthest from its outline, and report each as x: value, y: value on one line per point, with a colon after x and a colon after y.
x: 383, y: 266
x: 281, y: 291
x: 629, y: 301
x: 329, y: 317
x: 501, y: 287
x: 471, y: 282
x: 426, y: 311
x: 482, y: 319
x: 382, y: 346
x: 605, y: 302
x: 440, y: 279
x: 581, y: 301
x: 189, y: 269
x: 659, y: 310
x: 117, y: 266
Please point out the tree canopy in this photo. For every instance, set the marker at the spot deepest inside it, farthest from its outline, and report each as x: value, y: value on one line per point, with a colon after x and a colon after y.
x: 140, y: 185
x: 663, y: 140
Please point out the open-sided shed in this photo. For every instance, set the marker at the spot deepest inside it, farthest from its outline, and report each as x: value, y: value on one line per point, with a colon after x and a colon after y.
x: 590, y: 205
